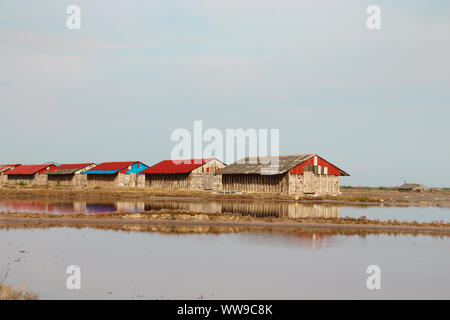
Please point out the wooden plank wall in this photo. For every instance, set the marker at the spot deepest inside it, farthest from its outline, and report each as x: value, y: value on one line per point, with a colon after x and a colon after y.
x: 255, y: 183
x: 102, y: 180
x: 284, y: 183
x: 21, y: 179
x: 167, y: 181
x: 60, y: 179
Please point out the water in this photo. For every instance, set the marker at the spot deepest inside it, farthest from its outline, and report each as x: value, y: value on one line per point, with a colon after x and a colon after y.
x: 151, y: 265
x: 252, y: 208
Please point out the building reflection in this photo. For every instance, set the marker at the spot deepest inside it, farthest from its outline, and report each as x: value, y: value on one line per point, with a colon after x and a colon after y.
x: 281, y: 210
x: 257, y: 209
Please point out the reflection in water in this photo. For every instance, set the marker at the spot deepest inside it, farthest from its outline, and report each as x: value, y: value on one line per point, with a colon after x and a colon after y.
x: 96, y: 207
x: 247, y: 208
x: 304, y: 239
x: 313, y: 241
x: 250, y: 208
x: 258, y: 209
x: 283, y: 209
x: 66, y: 207
x: 193, y: 206
x: 36, y: 206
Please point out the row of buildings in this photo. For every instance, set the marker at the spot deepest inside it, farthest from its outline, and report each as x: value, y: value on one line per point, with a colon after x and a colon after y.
x: 296, y: 174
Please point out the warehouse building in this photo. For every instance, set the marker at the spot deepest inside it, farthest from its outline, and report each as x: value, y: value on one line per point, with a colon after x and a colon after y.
x: 114, y: 174
x: 28, y: 174
x: 304, y: 174
x: 187, y: 174
x: 69, y: 174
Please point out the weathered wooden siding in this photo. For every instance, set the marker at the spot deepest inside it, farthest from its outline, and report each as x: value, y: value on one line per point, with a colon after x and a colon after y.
x: 118, y: 180
x: 310, y: 183
x: 33, y: 179
x: 174, y: 181
x: 255, y: 183
x: 201, y: 178
x: 60, y: 179
x: 20, y: 179
x: 296, y: 184
x: 178, y: 181
x: 102, y: 180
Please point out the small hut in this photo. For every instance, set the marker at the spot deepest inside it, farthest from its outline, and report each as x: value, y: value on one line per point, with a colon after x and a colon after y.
x: 301, y: 174
x: 187, y: 174
x: 28, y: 174
x: 69, y: 174
x: 114, y: 174
x: 416, y: 187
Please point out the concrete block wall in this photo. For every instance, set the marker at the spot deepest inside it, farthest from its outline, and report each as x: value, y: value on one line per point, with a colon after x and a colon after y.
x: 80, y: 181
x: 295, y: 184
x: 127, y: 180
x: 40, y: 179
x: 195, y: 181
x: 217, y: 185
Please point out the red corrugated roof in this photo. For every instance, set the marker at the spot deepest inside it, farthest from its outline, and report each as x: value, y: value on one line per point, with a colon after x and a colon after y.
x: 9, y: 165
x: 71, y: 166
x: 5, y: 167
x: 173, y: 166
x: 29, y: 169
x: 113, y: 166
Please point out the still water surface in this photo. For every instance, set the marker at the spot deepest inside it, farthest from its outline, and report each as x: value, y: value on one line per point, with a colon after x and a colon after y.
x: 252, y: 208
x: 151, y: 265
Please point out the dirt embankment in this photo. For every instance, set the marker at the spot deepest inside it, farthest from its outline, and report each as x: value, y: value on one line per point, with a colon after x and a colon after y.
x: 171, y: 218
x: 434, y: 198
x: 348, y: 196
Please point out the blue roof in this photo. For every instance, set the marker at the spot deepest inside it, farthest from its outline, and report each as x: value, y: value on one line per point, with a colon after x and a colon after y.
x: 116, y: 167
x: 100, y: 172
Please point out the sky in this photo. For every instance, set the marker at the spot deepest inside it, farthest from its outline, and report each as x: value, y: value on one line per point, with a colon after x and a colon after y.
x: 376, y: 103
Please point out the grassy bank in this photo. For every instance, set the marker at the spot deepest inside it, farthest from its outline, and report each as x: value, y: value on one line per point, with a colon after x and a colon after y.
x: 8, y: 293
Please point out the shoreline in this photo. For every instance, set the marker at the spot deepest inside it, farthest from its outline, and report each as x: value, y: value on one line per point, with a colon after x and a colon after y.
x: 347, y: 198
x: 218, y: 222
x: 184, y: 219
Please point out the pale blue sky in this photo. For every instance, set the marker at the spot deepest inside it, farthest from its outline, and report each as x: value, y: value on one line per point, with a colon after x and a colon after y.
x: 375, y: 103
